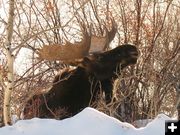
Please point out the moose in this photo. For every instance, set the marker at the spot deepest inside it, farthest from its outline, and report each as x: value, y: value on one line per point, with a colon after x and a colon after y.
x: 75, y: 89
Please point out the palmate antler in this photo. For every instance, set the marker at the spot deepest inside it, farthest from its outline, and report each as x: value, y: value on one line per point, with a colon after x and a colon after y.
x: 101, y: 43
x: 68, y: 52
x: 71, y: 52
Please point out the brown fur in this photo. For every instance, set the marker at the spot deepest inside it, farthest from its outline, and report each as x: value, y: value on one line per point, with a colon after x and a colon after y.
x: 76, y: 89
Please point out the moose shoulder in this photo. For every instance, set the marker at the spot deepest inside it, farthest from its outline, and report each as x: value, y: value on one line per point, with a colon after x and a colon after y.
x: 75, y: 89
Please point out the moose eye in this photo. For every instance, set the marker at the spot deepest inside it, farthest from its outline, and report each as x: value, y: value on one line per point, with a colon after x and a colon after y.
x: 134, y: 53
x: 119, y: 55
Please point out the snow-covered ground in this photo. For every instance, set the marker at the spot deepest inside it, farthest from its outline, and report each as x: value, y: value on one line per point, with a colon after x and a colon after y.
x: 87, y: 122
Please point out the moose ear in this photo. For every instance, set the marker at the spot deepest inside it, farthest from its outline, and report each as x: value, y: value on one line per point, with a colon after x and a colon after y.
x: 86, y: 62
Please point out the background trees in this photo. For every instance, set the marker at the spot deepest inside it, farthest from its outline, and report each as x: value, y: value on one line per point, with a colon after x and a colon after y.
x: 142, y: 91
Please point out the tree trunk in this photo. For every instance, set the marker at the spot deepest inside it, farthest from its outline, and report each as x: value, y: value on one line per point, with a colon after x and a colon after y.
x: 10, y: 62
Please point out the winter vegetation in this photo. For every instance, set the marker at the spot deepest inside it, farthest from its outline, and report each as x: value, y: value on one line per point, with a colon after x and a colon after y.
x: 41, y: 38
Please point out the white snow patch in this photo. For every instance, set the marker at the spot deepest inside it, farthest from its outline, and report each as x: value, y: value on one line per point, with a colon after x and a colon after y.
x: 87, y: 122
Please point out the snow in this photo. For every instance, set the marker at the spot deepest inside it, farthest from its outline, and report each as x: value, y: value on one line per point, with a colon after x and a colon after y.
x: 87, y: 122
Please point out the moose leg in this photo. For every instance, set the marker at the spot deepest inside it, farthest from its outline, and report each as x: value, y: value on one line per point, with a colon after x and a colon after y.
x: 107, y: 87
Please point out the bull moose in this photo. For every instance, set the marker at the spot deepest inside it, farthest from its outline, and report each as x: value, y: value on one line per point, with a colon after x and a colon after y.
x: 75, y: 89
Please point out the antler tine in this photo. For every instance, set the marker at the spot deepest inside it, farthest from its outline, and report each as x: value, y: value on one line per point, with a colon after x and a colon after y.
x: 86, y: 41
x: 112, y: 32
x: 101, y: 43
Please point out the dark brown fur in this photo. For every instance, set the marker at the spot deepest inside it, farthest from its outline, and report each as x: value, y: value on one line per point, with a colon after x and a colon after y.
x: 76, y: 89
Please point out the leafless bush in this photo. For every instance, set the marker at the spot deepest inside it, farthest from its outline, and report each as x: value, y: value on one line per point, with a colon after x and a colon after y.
x: 142, y: 91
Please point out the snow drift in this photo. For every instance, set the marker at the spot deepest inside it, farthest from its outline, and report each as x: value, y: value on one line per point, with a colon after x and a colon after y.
x: 87, y: 122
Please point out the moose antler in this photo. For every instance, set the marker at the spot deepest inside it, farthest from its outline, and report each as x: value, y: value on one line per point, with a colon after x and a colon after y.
x: 68, y: 52
x: 101, y: 43
x: 71, y: 52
